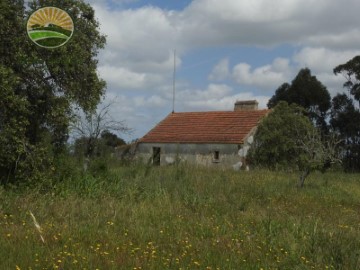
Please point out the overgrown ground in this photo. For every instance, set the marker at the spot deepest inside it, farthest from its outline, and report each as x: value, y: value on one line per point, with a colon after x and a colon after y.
x: 139, y: 217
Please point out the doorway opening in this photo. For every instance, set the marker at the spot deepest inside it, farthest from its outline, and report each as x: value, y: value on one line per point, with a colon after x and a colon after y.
x: 156, y: 156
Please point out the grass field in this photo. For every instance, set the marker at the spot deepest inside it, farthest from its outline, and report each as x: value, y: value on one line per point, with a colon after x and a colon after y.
x: 179, y: 217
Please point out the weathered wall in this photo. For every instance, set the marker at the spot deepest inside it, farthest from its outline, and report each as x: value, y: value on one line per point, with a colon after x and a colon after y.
x: 200, y: 154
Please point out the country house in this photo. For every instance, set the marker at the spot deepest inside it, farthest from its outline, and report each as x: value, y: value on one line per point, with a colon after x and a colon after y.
x: 213, y: 138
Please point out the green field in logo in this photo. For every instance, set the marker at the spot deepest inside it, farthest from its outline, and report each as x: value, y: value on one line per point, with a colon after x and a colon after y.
x: 50, y: 27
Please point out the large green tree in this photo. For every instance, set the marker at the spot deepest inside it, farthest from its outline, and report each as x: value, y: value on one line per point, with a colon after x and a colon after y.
x: 307, y: 91
x: 286, y: 139
x: 275, y: 141
x: 44, y: 84
x: 345, y: 114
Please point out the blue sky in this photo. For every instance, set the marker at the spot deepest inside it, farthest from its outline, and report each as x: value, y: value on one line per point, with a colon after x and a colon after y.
x: 226, y: 50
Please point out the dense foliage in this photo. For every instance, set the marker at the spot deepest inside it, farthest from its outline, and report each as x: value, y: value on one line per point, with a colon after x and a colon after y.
x: 287, y: 139
x: 345, y: 114
x: 337, y: 118
x: 40, y: 86
x: 276, y: 140
x: 307, y: 91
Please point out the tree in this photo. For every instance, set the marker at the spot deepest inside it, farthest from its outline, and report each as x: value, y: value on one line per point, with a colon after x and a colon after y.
x: 102, y: 146
x: 307, y: 91
x: 90, y: 127
x: 13, y: 123
x: 351, y: 71
x: 275, y: 141
x: 112, y: 140
x: 287, y: 139
x: 45, y: 83
x: 345, y: 114
x: 316, y: 153
x: 281, y: 94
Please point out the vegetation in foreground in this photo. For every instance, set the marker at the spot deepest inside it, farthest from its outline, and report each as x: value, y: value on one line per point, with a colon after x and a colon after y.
x: 181, y: 217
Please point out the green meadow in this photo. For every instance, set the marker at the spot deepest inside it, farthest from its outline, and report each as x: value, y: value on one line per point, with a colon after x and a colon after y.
x: 181, y: 217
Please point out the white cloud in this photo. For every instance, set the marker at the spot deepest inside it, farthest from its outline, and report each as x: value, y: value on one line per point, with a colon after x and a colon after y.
x: 245, y: 11
x: 268, y: 23
x: 140, y: 43
x: 221, y: 71
x: 323, y: 59
x: 346, y: 40
x: 138, y: 36
x: 320, y: 60
x: 213, y: 22
x: 225, y: 103
x: 214, y: 97
x: 125, y: 79
x: 214, y: 91
x: 267, y: 77
x: 117, y: 3
x: 151, y: 102
x: 334, y: 84
x: 134, y: 111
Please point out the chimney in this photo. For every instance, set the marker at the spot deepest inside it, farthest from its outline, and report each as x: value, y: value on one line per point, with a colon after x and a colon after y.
x: 246, y: 105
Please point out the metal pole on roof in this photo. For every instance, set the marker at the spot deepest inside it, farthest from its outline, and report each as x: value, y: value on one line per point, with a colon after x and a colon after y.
x: 174, y: 79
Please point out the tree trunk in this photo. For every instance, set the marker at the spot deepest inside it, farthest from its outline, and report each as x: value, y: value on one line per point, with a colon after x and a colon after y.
x: 303, y: 176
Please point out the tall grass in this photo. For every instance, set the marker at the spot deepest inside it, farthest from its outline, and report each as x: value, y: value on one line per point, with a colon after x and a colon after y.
x: 180, y: 217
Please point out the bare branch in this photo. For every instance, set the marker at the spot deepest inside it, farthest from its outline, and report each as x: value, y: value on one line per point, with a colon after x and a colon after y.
x: 92, y: 125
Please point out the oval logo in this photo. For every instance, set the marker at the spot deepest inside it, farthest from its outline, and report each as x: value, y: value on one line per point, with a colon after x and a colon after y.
x: 50, y: 27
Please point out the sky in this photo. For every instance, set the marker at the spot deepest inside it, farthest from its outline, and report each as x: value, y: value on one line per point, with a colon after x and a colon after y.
x: 226, y: 50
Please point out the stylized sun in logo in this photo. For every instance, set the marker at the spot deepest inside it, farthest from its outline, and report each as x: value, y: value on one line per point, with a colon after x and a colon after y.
x: 50, y: 27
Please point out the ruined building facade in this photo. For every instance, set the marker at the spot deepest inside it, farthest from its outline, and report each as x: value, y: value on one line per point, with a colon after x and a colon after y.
x: 213, y: 138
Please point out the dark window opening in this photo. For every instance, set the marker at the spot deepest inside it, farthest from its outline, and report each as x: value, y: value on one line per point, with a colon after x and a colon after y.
x: 156, y: 156
x: 216, y: 156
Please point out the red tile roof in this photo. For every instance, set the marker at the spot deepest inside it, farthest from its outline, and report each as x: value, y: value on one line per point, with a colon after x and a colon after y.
x: 205, y: 127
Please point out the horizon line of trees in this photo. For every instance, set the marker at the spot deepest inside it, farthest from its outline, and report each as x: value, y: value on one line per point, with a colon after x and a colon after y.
x: 307, y: 129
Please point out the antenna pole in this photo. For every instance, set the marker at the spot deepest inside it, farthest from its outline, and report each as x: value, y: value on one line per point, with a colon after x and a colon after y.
x: 174, y: 79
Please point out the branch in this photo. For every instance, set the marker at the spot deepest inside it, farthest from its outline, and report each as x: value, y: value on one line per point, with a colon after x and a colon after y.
x: 92, y: 124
